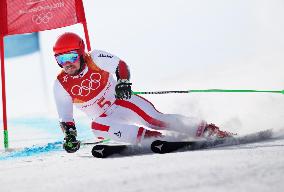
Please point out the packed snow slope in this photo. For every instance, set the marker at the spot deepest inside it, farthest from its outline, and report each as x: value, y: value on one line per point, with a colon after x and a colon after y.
x: 258, y: 166
x: 168, y: 45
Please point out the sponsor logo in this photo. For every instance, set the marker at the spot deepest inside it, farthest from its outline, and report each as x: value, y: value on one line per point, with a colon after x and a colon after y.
x: 118, y: 134
x: 100, y: 151
x: 87, y: 85
x: 32, y: 8
x: 159, y: 147
x: 104, y: 55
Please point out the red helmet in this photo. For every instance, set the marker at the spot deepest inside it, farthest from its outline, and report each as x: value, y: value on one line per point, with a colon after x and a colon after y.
x: 68, y: 42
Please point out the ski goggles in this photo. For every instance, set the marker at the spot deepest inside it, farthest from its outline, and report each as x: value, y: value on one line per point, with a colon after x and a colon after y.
x: 71, y: 57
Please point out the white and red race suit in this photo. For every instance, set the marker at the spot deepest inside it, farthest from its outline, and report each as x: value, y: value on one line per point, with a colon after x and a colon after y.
x: 93, y: 92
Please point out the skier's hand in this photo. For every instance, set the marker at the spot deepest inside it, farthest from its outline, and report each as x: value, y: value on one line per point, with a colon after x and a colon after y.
x: 123, y: 89
x: 71, y: 144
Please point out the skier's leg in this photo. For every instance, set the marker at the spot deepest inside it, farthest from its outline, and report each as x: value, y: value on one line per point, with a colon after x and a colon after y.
x: 145, y: 113
x: 191, y: 126
x: 107, y: 128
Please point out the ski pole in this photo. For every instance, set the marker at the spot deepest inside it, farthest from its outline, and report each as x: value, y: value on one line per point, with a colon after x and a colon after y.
x: 207, y: 91
x: 98, y: 142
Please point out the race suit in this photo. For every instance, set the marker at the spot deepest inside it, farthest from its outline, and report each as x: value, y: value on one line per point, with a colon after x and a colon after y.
x: 93, y: 92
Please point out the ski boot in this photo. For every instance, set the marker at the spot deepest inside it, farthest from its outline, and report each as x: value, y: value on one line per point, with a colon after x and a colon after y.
x: 211, y: 131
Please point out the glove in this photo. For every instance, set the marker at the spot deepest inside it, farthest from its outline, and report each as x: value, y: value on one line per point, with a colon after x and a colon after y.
x: 123, y: 89
x: 70, y: 143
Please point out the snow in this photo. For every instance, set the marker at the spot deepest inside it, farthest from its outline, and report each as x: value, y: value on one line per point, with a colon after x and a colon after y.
x: 193, y: 45
x: 246, y: 168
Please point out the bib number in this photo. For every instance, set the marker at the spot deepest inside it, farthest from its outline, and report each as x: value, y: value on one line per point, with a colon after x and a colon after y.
x: 103, y: 102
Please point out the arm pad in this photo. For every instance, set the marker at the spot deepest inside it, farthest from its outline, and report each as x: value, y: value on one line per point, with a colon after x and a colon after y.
x: 122, y: 71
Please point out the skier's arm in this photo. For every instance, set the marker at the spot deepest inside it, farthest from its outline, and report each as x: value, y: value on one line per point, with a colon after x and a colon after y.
x: 104, y: 60
x: 63, y: 102
x: 114, y: 65
x: 122, y: 71
x: 65, y: 112
x: 123, y: 86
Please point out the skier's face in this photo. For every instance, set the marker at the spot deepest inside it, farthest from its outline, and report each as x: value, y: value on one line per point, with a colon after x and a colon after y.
x: 70, y: 62
x: 72, y: 68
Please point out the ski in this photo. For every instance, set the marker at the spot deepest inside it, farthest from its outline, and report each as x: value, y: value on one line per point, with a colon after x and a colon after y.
x: 161, y: 147
x: 103, y: 151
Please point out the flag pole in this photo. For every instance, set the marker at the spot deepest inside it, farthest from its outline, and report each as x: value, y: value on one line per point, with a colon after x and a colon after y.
x: 5, y: 127
x: 87, y: 35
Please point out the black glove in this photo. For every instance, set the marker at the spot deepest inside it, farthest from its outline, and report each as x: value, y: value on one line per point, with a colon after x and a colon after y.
x: 123, y: 89
x: 70, y: 143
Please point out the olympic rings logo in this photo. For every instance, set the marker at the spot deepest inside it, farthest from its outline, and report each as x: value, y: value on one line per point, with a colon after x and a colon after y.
x: 42, y: 18
x: 87, y: 85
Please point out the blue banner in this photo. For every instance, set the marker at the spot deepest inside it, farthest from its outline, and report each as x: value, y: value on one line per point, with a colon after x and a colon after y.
x: 17, y: 45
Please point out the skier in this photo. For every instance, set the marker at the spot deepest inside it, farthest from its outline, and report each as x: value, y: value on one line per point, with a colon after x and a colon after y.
x: 87, y: 82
